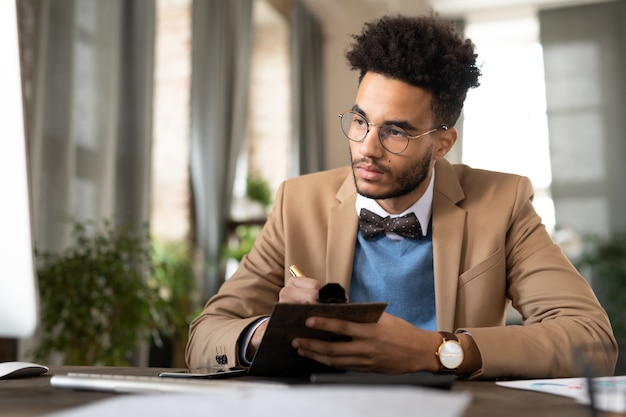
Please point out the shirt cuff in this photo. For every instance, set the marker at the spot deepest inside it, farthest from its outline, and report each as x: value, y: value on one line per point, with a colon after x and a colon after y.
x: 245, y: 338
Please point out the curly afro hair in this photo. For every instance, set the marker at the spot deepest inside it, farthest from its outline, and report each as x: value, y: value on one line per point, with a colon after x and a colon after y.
x: 423, y: 51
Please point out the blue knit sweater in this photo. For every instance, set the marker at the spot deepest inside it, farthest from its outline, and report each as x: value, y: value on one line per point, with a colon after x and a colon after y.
x: 398, y: 272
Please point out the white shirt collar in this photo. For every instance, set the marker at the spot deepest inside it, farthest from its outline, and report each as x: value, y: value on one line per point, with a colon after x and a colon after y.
x: 422, y: 207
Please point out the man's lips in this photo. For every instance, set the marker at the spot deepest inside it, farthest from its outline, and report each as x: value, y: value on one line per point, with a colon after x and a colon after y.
x: 368, y: 172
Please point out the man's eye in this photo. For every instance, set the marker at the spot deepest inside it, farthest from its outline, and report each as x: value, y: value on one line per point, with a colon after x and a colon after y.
x: 357, y: 121
x: 395, y: 132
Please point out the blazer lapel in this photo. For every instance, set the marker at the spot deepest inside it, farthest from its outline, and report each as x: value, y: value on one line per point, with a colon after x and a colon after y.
x: 448, y: 226
x: 342, y: 230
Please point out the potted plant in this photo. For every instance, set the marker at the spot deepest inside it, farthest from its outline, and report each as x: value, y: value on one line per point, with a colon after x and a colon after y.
x: 96, y: 298
x: 173, y: 274
x: 258, y: 190
x: 246, y: 234
x: 605, y: 257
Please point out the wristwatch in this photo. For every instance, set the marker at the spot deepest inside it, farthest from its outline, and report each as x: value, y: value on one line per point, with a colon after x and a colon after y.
x: 450, y: 352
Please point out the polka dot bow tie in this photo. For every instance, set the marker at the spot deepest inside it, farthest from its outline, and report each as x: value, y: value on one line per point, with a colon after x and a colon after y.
x: 372, y: 225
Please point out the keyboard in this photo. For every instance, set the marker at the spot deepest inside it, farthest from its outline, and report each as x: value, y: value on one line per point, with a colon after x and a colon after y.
x: 147, y: 384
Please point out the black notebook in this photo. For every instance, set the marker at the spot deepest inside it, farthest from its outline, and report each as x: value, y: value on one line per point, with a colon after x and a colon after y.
x: 275, y: 355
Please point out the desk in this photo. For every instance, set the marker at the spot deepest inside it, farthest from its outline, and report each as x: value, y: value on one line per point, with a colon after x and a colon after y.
x: 30, y: 397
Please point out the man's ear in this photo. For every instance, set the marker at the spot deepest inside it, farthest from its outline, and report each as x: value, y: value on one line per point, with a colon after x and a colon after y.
x: 444, y: 140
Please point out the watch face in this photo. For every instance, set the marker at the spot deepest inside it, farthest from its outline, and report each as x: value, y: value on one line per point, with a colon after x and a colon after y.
x: 451, y: 354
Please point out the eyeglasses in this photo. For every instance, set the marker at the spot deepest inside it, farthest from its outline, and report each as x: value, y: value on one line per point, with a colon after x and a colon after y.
x: 393, y: 138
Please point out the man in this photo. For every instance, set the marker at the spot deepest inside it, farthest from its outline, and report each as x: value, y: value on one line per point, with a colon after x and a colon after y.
x: 448, y: 281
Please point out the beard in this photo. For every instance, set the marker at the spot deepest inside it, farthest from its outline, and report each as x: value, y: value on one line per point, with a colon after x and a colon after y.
x: 405, y: 182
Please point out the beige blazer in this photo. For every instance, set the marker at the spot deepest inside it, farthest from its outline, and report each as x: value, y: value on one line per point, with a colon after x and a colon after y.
x: 490, y: 249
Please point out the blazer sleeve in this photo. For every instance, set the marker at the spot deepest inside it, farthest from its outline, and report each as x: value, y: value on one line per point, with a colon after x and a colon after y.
x: 247, y: 296
x: 565, y: 331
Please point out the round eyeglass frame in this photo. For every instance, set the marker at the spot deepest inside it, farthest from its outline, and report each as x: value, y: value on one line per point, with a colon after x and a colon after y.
x: 382, y: 129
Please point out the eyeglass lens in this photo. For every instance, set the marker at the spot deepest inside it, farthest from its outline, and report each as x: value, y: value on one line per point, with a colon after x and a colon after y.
x: 392, y: 138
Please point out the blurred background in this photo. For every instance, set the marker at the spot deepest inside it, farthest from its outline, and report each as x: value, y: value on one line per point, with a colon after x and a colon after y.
x: 180, y: 118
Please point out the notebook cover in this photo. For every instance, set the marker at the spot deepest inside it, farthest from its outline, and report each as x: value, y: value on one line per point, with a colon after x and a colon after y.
x: 276, y: 357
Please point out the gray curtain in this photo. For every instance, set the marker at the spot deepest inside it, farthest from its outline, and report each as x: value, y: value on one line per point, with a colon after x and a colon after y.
x: 90, y: 113
x: 221, y: 53
x: 307, y: 92
x: 585, y: 57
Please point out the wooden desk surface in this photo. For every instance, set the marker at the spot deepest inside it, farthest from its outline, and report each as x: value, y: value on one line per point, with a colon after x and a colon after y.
x: 30, y: 397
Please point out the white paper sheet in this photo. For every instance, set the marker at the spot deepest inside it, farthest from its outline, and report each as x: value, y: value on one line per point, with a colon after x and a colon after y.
x: 300, y: 401
x: 609, y: 392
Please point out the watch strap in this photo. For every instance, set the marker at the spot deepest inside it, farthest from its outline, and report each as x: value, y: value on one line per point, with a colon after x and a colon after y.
x: 447, y: 336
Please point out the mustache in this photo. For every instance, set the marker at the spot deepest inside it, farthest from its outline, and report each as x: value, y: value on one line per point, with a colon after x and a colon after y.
x: 369, y: 162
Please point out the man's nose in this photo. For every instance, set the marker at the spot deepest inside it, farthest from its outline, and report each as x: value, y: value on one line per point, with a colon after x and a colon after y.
x: 371, y: 145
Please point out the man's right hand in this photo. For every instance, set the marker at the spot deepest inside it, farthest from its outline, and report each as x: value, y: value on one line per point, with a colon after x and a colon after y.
x: 298, y: 290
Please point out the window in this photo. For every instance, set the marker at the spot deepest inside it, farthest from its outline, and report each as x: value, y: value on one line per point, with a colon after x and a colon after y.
x: 505, y: 126
x: 171, y: 211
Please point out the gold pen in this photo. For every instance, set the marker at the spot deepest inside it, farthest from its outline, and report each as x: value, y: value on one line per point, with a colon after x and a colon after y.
x: 295, y: 272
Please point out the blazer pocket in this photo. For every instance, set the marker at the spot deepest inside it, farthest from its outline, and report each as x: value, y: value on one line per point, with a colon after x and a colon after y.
x: 491, y: 262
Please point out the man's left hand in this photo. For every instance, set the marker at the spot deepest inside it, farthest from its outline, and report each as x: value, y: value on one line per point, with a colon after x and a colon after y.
x: 391, y: 346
